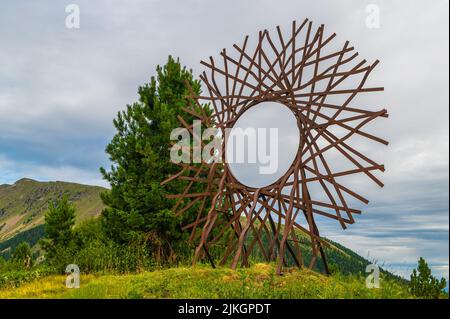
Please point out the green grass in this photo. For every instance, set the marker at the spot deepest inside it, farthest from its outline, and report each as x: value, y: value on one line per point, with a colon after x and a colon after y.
x: 259, y: 281
x: 15, y: 278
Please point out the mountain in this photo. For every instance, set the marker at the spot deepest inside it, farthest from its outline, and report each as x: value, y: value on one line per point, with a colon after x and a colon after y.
x: 23, y: 205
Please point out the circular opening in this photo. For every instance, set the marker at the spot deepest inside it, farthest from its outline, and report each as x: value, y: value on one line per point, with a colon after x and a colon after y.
x: 262, y: 144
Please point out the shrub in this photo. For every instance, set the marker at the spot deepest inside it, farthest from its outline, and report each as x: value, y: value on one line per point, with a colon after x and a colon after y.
x: 14, y: 278
x: 2, y: 264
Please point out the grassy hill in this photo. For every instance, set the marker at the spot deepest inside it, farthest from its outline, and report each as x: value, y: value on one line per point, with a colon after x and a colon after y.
x: 23, y: 205
x: 258, y: 281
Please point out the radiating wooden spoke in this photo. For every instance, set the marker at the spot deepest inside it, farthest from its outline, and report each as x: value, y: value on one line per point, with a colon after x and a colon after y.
x: 301, y: 70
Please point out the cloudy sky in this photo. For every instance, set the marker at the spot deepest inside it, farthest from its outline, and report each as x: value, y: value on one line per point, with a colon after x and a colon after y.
x: 60, y: 89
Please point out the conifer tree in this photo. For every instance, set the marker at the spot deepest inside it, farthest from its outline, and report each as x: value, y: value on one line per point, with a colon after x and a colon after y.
x: 137, y: 207
x: 22, y: 256
x: 59, y: 221
x: 423, y: 284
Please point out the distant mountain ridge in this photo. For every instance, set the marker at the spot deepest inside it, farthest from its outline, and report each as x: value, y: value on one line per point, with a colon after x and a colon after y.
x: 24, y: 203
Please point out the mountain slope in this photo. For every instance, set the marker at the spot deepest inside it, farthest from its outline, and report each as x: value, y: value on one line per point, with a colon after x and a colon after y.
x: 23, y: 204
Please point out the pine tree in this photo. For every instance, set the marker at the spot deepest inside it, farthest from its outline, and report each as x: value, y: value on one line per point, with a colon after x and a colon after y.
x: 59, y: 221
x: 22, y: 256
x: 423, y: 284
x: 137, y: 206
